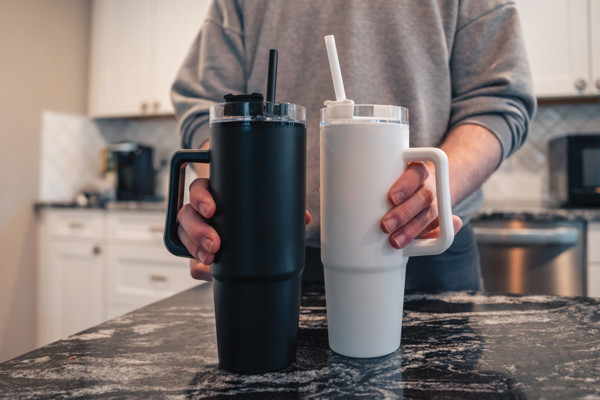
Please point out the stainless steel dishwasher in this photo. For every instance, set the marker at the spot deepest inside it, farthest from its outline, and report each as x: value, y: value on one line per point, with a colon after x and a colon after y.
x: 539, y: 257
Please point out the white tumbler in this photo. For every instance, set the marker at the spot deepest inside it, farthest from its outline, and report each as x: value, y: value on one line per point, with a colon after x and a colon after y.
x: 364, y: 149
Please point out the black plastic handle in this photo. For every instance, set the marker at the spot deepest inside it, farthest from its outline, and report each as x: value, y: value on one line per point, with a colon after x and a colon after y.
x: 179, y: 162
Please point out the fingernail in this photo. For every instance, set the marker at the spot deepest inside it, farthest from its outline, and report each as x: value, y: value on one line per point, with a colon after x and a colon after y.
x: 204, y: 209
x: 390, y: 225
x: 400, y: 241
x: 202, y: 256
x: 207, y: 244
x: 398, y: 197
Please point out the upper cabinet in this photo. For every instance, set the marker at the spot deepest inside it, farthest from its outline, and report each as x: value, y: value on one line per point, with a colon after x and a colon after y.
x: 595, y: 44
x: 137, y: 49
x: 563, y: 44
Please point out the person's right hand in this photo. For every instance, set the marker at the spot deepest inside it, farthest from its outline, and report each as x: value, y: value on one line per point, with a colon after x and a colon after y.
x: 201, y: 239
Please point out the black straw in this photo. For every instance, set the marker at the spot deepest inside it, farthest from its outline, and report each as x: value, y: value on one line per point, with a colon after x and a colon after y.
x: 272, y: 79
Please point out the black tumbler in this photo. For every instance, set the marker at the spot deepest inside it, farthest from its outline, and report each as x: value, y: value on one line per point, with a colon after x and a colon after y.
x: 257, y: 162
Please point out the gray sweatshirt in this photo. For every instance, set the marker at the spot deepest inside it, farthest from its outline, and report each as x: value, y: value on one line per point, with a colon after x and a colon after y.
x: 450, y: 62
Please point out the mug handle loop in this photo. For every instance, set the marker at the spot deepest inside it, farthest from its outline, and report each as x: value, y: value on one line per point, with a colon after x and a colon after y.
x: 422, y: 247
x: 179, y: 162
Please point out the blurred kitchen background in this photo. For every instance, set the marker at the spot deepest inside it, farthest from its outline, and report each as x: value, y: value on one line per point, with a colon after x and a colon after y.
x: 79, y: 75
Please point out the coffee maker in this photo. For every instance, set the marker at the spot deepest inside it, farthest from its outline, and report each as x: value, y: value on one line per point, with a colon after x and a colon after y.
x: 135, y: 171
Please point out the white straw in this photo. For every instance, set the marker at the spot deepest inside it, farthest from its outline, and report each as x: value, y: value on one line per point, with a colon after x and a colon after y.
x: 334, y: 65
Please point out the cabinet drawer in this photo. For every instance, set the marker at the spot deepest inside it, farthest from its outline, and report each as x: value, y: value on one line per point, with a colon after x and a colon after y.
x: 140, y: 275
x: 75, y: 223
x: 136, y: 226
x: 593, y: 242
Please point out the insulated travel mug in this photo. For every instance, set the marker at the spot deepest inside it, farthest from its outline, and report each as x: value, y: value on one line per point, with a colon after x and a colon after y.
x: 257, y: 163
x: 364, y: 149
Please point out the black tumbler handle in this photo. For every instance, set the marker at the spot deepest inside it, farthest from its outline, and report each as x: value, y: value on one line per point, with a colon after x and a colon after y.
x: 179, y: 162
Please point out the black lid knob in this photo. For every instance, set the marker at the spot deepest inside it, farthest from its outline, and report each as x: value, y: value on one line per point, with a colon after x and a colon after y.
x: 249, y: 105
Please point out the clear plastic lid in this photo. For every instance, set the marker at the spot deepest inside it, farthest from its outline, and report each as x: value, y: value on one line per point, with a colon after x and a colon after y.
x: 364, y: 113
x: 251, y: 107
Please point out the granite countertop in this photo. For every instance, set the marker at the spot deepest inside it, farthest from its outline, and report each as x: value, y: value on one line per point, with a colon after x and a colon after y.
x: 454, y: 345
x: 105, y: 205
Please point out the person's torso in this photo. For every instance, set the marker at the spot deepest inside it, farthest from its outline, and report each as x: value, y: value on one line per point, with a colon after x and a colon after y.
x: 390, y: 52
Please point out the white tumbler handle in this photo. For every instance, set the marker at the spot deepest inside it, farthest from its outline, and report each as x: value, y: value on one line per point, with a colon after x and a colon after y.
x: 423, y: 247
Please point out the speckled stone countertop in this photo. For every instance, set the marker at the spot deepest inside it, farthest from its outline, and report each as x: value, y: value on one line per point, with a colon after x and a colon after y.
x: 159, y: 206
x: 454, y: 345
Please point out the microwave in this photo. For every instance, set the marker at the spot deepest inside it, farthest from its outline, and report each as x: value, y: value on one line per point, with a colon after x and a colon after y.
x: 574, y: 162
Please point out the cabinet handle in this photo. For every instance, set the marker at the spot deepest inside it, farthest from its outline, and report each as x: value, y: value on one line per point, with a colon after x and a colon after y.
x: 156, y: 229
x: 156, y: 106
x: 580, y: 84
x: 158, y: 278
x: 144, y: 107
x: 76, y: 225
x: 96, y: 250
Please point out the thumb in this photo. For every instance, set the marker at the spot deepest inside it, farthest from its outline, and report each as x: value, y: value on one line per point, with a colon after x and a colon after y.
x: 456, y: 224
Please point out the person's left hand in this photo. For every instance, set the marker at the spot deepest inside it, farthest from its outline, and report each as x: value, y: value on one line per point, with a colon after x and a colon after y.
x: 414, y: 211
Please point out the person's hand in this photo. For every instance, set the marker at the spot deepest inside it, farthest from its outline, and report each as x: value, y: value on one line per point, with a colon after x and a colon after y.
x: 201, y: 239
x: 414, y: 211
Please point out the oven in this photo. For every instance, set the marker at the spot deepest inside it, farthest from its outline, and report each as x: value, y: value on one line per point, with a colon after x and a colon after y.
x: 532, y: 256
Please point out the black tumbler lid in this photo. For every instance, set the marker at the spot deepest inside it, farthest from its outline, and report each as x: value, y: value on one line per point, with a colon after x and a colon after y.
x: 247, y: 105
x: 252, y: 107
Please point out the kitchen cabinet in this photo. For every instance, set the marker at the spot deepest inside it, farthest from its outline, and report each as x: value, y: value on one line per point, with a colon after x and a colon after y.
x: 562, y: 38
x: 70, y: 279
x: 137, y: 47
x: 593, y: 259
x: 139, y: 268
x: 98, y: 264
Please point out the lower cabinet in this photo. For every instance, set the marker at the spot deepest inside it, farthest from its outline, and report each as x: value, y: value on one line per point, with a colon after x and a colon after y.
x: 76, y: 283
x: 95, y: 265
x: 139, y: 275
x: 593, y: 259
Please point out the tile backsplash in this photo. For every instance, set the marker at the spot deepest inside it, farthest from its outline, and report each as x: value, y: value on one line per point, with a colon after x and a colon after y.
x: 72, y: 145
x: 72, y: 149
x: 70, y: 157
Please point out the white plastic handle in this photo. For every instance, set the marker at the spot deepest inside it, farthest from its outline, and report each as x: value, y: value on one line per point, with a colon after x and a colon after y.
x: 425, y: 247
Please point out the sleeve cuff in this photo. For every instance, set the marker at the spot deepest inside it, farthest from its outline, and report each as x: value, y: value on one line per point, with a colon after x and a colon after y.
x: 498, y: 125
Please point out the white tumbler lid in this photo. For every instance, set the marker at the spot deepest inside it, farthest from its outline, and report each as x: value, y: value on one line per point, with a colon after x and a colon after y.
x: 363, y: 113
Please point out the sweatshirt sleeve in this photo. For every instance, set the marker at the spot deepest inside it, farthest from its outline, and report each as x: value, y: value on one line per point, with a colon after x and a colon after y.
x: 213, y: 67
x: 491, y: 80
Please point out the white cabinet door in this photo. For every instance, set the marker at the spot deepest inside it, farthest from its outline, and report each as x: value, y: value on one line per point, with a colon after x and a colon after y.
x: 595, y: 44
x: 593, y: 259
x: 137, y: 49
x: 75, y: 298
x: 557, y: 40
x: 71, y: 272
x: 177, y: 25
x: 120, y: 66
